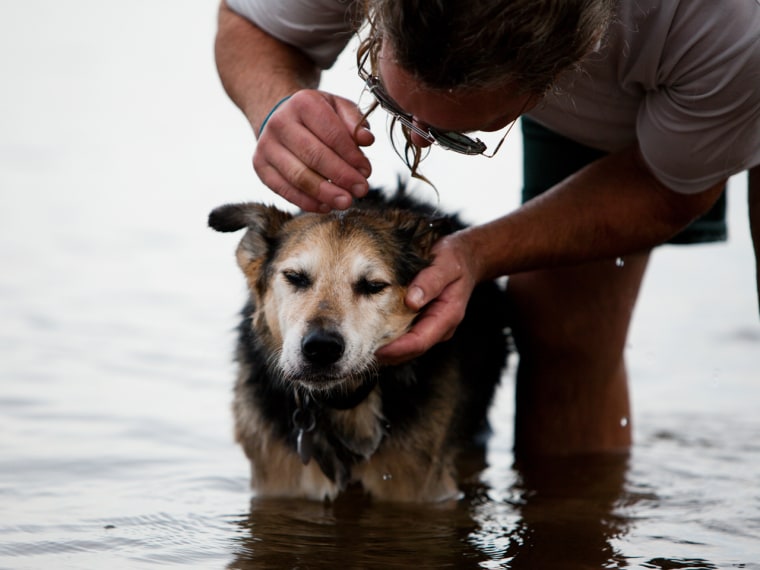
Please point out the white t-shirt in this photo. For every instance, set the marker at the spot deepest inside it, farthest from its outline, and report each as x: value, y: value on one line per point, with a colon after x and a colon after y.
x: 680, y: 77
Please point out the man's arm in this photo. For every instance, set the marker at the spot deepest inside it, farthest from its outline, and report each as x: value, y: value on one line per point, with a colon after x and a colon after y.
x: 309, y: 152
x: 613, y: 207
x: 256, y: 69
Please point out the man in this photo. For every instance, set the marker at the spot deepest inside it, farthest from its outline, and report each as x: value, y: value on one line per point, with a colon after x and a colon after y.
x: 640, y: 111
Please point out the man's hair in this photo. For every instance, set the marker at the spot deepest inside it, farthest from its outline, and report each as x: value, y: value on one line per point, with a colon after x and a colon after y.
x: 450, y: 44
x: 480, y: 44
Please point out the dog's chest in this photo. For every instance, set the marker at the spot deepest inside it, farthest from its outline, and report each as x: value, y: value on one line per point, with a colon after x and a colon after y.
x: 361, y: 429
x: 339, y: 439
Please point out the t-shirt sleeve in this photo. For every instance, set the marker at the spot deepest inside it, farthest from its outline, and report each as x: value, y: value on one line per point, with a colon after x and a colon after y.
x: 319, y: 28
x: 703, y: 124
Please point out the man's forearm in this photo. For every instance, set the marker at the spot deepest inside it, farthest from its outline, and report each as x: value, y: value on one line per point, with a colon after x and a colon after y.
x: 611, y: 208
x: 256, y: 69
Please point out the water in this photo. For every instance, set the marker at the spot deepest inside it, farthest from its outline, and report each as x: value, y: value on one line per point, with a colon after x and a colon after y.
x: 117, y: 309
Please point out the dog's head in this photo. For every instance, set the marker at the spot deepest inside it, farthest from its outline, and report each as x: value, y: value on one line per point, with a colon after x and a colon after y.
x: 329, y: 289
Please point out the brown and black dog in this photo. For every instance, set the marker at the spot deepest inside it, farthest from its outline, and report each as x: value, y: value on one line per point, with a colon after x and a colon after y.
x: 314, y: 411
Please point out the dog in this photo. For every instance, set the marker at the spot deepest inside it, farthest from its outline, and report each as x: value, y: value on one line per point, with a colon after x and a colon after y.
x: 314, y: 411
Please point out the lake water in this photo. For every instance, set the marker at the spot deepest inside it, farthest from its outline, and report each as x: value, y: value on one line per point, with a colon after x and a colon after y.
x: 117, y: 309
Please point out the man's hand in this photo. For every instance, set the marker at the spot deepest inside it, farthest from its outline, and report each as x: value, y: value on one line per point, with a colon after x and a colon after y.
x: 308, y: 151
x: 443, y: 289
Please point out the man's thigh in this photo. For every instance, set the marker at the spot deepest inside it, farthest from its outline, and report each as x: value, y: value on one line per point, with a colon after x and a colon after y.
x: 576, y: 313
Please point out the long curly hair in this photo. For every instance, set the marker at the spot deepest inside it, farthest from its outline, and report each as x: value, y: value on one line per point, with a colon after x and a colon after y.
x: 480, y: 44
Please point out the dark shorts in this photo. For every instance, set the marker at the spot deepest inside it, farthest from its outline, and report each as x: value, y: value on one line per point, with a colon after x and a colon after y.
x: 549, y: 158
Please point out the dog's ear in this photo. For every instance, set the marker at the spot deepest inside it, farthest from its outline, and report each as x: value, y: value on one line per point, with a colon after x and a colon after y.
x: 422, y: 232
x: 263, y: 224
x: 234, y: 217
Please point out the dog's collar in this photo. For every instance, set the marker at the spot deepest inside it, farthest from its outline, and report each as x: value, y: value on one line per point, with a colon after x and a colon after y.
x: 306, y: 428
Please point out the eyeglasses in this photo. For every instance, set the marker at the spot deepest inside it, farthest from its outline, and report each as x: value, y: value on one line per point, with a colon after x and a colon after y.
x: 450, y: 140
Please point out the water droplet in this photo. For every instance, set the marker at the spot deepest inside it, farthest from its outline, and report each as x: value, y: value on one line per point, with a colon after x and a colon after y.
x: 623, y: 422
x: 620, y: 262
x: 387, y: 476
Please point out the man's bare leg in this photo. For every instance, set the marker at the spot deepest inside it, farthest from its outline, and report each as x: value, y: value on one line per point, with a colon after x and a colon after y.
x: 570, y: 327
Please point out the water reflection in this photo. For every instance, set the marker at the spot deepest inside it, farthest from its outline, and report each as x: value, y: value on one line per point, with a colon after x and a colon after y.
x: 353, y: 533
x: 553, y: 514
x: 569, y: 512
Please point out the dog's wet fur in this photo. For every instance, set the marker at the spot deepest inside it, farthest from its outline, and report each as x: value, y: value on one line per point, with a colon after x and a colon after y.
x: 313, y: 410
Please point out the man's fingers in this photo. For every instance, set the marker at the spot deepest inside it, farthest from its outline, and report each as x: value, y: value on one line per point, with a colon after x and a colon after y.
x: 282, y: 187
x: 315, y: 156
x: 437, y: 324
x: 352, y: 118
x: 329, y: 146
x: 313, y: 151
x: 431, y: 282
x: 410, y: 345
x: 289, y: 177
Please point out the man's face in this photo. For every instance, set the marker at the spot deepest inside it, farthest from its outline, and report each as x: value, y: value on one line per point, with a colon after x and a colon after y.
x: 459, y: 110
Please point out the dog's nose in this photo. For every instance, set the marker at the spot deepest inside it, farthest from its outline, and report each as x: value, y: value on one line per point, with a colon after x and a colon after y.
x: 322, y: 347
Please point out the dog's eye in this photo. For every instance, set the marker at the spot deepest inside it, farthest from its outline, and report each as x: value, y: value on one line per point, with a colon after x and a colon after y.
x: 367, y: 287
x: 297, y: 279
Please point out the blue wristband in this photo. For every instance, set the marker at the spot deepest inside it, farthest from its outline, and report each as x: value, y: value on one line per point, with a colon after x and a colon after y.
x: 277, y: 106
